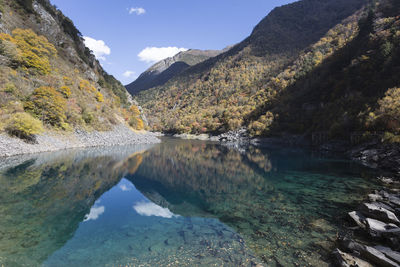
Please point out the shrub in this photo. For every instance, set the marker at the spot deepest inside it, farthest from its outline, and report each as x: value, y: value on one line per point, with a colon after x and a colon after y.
x: 30, y: 50
x: 134, y: 110
x: 65, y: 91
x: 24, y: 126
x: 262, y: 125
x: 136, y: 123
x: 88, y: 117
x: 391, y: 138
x: 387, y: 116
x: 85, y: 85
x: 99, y: 97
x: 26, y: 4
x: 47, y: 104
x: 9, y: 88
x: 67, y: 80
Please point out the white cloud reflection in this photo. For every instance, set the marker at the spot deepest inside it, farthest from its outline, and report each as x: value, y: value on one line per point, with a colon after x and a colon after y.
x: 125, y: 188
x: 94, y: 213
x: 151, y: 209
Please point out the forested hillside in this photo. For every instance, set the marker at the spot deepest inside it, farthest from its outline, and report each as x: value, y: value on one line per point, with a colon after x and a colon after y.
x: 308, y: 66
x: 166, y: 69
x: 49, y: 80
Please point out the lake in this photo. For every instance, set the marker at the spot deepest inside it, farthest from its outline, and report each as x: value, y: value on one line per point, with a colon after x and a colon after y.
x: 178, y: 203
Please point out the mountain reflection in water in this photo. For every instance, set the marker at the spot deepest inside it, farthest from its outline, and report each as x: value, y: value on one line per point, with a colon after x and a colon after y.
x: 179, y: 203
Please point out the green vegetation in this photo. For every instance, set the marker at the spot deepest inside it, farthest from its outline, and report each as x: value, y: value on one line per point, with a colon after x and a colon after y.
x: 48, y: 105
x: 231, y: 90
x: 387, y: 116
x: 24, y: 126
x: 332, y: 78
x: 65, y: 91
x: 27, y: 49
x: 61, y: 87
x: 132, y: 116
x: 163, y: 71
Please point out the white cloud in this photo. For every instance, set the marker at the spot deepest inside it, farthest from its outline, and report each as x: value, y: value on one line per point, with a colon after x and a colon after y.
x: 155, y: 54
x: 94, y: 213
x: 151, y: 209
x: 128, y: 73
x: 137, y: 10
x: 99, y: 47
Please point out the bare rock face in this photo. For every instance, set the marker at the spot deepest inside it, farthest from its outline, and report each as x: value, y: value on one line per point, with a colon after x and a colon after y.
x: 48, y: 25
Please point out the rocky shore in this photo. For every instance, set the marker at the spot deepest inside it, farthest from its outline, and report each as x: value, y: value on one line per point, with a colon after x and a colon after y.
x: 374, y: 240
x: 120, y: 135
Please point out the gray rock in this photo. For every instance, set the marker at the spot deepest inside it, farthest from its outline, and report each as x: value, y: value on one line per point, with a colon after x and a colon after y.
x: 380, y: 229
x: 377, y: 257
x: 378, y: 212
x: 359, y: 219
x: 347, y: 260
x: 375, y: 197
x: 350, y: 245
x: 393, y: 255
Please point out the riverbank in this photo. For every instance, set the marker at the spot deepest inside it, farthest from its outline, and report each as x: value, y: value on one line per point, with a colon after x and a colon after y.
x: 48, y: 142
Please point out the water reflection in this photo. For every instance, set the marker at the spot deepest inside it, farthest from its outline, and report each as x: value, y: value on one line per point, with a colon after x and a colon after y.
x: 43, y: 198
x: 151, y: 209
x: 179, y: 203
x: 283, y: 202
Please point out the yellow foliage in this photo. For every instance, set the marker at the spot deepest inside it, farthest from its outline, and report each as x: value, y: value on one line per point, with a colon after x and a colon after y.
x: 136, y: 123
x: 85, y: 85
x: 31, y: 50
x: 49, y: 105
x: 23, y: 125
x: 67, y: 80
x: 134, y: 110
x: 65, y: 91
x: 99, y: 97
x: 132, y: 115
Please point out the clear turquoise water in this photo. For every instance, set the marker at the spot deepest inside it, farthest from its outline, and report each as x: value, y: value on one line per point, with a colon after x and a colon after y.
x: 180, y: 203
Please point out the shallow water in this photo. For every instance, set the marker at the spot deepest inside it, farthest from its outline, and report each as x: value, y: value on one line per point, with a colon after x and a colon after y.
x: 179, y: 203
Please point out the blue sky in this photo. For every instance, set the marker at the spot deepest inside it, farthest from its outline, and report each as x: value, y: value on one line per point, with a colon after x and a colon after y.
x: 121, y: 30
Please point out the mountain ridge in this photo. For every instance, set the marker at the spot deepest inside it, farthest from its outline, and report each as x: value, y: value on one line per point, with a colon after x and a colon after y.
x: 164, y: 70
x: 219, y: 94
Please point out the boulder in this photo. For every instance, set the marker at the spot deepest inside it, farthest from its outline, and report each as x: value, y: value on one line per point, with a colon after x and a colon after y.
x: 350, y: 245
x: 347, y: 260
x: 380, y: 229
x: 359, y: 219
x: 385, y: 206
x: 379, y: 212
x: 377, y: 257
x: 393, y: 255
x: 375, y: 197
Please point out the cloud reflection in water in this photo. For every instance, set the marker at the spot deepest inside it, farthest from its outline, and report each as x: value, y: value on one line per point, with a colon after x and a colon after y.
x: 94, y: 213
x: 151, y: 209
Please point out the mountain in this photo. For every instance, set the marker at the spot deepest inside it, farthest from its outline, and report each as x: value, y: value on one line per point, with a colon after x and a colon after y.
x: 50, y: 80
x: 314, y: 65
x: 166, y: 69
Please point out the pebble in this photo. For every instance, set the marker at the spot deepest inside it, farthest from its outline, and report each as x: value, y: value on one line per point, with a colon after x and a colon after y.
x: 120, y: 135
